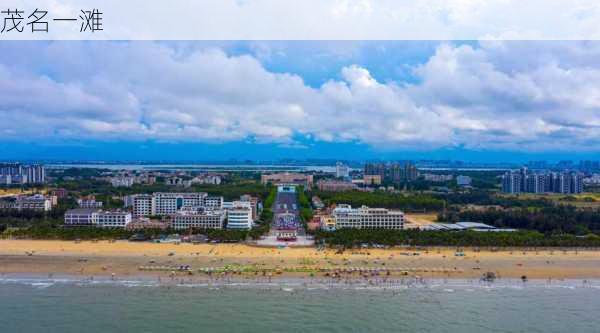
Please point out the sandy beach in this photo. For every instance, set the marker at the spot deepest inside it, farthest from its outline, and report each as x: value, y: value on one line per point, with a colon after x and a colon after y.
x: 122, y: 259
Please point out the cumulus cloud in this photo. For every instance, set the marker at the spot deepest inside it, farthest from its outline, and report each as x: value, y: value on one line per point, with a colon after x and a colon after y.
x: 496, y: 95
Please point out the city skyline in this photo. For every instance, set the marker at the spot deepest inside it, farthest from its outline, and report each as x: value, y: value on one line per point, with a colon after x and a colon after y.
x: 474, y: 101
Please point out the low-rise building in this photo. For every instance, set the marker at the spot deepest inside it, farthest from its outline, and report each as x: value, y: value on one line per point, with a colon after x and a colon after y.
x: 288, y: 178
x: 6, y: 179
x: 254, y: 204
x: 239, y: 216
x: 97, y: 218
x: 335, y: 186
x: 463, y: 180
x: 89, y: 203
x: 112, y: 219
x: 431, y: 177
x: 80, y: 217
x: 37, y: 202
x: 199, y: 219
x: 166, y: 203
x: 34, y: 202
x: 143, y: 205
x: 317, y: 202
x: 59, y: 193
x: 327, y: 222
x: 367, y: 218
x: 146, y: 223
x: 122, y: 181
x: 370, y: 180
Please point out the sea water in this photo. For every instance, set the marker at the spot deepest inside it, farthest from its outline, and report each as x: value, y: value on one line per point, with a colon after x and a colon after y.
x: 70, y: 305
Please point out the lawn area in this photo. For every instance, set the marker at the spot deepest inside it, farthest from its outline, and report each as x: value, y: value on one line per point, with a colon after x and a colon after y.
x: 417, y: 219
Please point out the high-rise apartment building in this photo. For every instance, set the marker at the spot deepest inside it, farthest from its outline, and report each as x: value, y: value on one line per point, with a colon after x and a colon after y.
x: 551, y: 182
x: 341, y: 170
x: 399, y: 172
x: 16, y: 173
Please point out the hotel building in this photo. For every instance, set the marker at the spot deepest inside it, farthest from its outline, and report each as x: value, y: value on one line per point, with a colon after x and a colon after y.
x: 367, y: 218
x: 165, y: 203
x: 143, y: 205
x: 239, y: 216
x: 213, y: 202
x: 97, y: 218
x: 169, y: 203
x: 199, y: 219
x: 80, y: 217
x: 122, y: 181
x: 34, y: 202
x: 104, y: 219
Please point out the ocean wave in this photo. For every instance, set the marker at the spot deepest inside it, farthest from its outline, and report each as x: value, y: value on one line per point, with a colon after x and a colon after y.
x: 292, y: 285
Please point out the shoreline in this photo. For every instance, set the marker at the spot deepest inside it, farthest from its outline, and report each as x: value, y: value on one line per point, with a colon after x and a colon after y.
x: 288, y: 284
x: 124, y: 259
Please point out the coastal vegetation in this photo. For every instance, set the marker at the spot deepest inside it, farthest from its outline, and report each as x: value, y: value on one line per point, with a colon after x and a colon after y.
x: 352, y: 238
x: 306, y: 213
x: 91, y: 233
x: 383, y: 199
x: 554, y: 219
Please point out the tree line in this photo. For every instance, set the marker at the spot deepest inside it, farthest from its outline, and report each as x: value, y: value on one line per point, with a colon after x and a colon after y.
x: 555, y: 219
x: 383, y: 199
x: 352, y: 238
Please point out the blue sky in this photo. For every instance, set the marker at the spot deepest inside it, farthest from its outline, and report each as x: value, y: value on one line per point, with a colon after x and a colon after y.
x: 476, y: 101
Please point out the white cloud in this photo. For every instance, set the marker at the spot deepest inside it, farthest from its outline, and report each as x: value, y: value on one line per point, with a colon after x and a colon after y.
x: 498, y: 95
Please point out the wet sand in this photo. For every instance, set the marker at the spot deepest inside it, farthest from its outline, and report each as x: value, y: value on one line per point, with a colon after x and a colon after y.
x: 124, y: 259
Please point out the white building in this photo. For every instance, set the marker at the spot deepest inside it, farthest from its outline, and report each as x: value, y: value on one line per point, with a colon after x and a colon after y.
x: 594, y: 179
x: 168, y: 203
x: 36, y: 174
x: 208, y: 179
x: 89, y: 203
x: 122, y: 181
x: 143, y: 205
x: 97, y: 218
x: 431, y: 177
x: 34, y: 202
x: 128, y: 200
x: 463, y: 180
x: 213, y: 202
x: 239, y: 216
x: 165, y: 203
x: 199, y: 219
x: 341, y: 170
x: 80, y: 217
x: 367, y: 218
x: 104, y: 219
